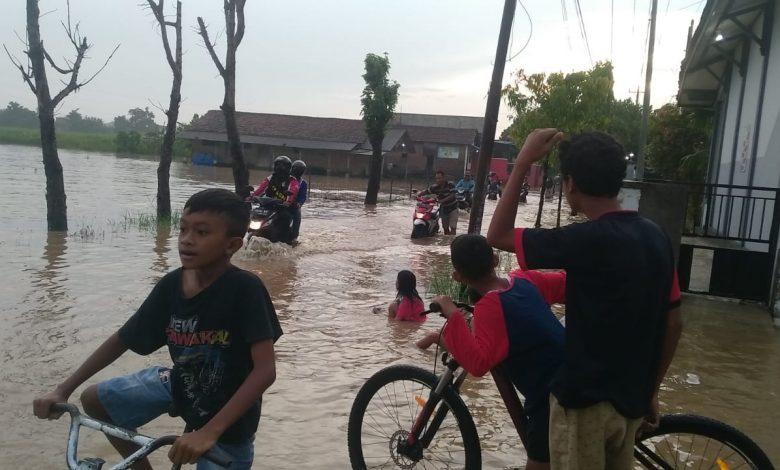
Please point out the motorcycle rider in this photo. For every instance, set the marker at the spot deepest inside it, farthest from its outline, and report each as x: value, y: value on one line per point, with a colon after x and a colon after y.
x: 467, y: 185
x: 297, y: 171
x: 494, y: 184
x: 283, y: 186
x: 444, y: 191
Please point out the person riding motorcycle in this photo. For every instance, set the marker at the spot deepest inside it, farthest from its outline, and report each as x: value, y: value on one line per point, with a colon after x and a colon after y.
x: 467, y: 185
x: 281, y: 185
x: 298, y: 169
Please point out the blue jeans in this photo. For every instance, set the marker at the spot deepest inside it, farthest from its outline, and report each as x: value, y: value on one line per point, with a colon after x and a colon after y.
x: 135, y: 399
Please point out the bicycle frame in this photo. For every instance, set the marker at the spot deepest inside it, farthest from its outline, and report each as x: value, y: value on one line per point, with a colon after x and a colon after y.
x: 147, y: 444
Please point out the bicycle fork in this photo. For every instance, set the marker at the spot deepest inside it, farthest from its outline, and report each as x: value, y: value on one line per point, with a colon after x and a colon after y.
x: 412, y: 447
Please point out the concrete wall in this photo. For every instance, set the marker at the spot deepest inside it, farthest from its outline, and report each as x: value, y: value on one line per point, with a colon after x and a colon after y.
x: 664, y: 204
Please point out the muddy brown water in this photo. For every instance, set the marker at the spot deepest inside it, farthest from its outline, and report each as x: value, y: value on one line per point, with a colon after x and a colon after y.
x: 62, y: 294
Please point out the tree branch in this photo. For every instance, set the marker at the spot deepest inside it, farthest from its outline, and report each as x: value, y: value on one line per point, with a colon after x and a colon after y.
x: 54, y: 66
x: 74, y: 85
x: 25, y: 75
x: 157, y: 10
x: 205, y: 35
x: 240, y: 26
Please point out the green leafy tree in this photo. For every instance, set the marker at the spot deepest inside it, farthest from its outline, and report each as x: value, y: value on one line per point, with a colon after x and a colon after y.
x: 16, y: 115
x: 573, y: 103
x: 678, y: 144
x: 378, y: 101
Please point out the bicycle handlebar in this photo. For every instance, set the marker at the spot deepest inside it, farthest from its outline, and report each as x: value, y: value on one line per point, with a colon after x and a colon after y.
x: 150, y: 445
x: 434, y: 307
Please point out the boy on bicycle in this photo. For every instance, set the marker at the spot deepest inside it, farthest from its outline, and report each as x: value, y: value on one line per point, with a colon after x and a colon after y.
x: 220, y: 327
x: 513, y: 327
x: 622, y: 301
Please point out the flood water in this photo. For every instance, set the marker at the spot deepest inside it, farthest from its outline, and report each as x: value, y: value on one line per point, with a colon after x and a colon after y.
x: 63, y: 294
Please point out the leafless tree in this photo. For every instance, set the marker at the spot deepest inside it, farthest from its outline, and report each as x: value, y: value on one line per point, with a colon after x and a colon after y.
x: 234, y: 33
x: 172, y: 113
x: 34, y: 74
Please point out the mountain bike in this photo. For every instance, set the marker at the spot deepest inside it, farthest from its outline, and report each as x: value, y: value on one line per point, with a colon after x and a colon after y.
x: 407, y: 417
x: 147, y: 444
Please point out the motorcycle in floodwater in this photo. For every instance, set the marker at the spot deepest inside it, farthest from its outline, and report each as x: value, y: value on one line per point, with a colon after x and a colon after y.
x: 493, y: 190
x: 463, y: 198
x: 269, y: 219
x: 425, y: 220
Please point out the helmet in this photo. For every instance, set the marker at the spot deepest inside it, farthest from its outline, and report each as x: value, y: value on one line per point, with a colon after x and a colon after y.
x: 282, y: 165
x: 298, y: 168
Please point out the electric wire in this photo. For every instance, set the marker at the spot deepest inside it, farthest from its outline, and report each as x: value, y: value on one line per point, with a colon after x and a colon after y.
x: 566, y: 23
x: 530, y: 32
x: 583, y: 30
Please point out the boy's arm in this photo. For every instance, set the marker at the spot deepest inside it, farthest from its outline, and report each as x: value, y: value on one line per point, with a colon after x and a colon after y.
x: 501, y: 231
x: 293, y: 188
x: 189, y: 447
x: 552, y: 285
x: 487, y: 346
x: 104, y: 355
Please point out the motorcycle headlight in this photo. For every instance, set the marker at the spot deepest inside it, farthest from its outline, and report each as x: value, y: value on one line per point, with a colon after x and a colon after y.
x: 419, y: 215
x: 254, y: 225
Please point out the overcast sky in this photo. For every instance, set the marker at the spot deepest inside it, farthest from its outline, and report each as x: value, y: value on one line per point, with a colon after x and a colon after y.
x: 306, y: 56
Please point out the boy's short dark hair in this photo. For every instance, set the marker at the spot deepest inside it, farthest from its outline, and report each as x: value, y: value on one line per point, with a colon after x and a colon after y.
x: 225, y: 203
x: 439, y: 172
x: 471, y: 256
x: 596, y: 162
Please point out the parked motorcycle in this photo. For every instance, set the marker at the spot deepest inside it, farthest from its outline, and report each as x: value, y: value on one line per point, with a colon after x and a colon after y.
x: 425, y: 221
x: 270, y: 219
x: 463, y: 199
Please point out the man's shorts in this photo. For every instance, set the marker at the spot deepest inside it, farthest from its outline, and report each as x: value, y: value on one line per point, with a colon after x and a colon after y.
x: 450, y: 219
x: 593, y: 437
x: 135, y: 399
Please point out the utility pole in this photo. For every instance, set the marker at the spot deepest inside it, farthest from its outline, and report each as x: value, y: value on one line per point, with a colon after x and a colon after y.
x: 640, y: 159
x: 491, y: 117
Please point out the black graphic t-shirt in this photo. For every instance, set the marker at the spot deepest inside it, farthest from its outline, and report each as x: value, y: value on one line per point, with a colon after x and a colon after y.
x: 209, y: 338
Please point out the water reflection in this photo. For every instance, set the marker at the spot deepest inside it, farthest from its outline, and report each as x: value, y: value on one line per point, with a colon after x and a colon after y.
x: 48, y: 282
x: 161, y: 248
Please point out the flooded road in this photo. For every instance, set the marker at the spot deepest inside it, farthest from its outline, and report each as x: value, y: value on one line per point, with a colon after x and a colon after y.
x: 63, y: 294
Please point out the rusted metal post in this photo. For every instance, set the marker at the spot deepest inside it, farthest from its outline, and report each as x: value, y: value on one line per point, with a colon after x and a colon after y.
x: 491, y: 117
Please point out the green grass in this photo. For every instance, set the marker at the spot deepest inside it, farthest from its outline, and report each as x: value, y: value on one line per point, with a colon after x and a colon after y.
x: 145, y: 221
x: 66, y: 140
x: 89, y: 141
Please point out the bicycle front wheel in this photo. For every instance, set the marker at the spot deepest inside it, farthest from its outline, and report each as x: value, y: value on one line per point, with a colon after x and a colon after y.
x: 686, y: 441
x: 383, y: 413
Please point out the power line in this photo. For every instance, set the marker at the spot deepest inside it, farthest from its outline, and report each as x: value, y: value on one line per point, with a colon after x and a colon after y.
x: 566, y: 22
x: 530, y: 32
x: 583, y: 31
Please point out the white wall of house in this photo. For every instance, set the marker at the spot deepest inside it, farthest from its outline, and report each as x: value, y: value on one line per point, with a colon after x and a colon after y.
x: 738, y: 160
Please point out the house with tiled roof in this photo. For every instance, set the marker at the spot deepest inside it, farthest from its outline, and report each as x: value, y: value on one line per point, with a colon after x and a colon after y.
x: 337, y: 146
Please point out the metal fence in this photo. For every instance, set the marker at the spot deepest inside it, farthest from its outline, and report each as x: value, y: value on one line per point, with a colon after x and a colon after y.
x: 731, y: 212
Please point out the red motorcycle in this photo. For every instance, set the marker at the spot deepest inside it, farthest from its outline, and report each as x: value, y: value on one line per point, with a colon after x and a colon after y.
x: 425, y: 221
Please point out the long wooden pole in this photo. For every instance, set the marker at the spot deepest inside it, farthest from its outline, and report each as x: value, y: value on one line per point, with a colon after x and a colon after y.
x: 640, y: 159
x: 491, y: 117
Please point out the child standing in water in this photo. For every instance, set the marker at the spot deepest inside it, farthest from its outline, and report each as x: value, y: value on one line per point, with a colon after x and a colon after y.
x: 407, y: 306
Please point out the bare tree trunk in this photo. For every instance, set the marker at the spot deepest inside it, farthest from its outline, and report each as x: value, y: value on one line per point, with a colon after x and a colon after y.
x: 374, y: 172
x: 35, y: 77
x: 56, y: 207
x: 166, y: 152
x: 234, y: 33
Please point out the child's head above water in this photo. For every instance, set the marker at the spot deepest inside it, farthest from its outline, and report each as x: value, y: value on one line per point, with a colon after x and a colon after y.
x: 473, y: 258
x: 406, y: 284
